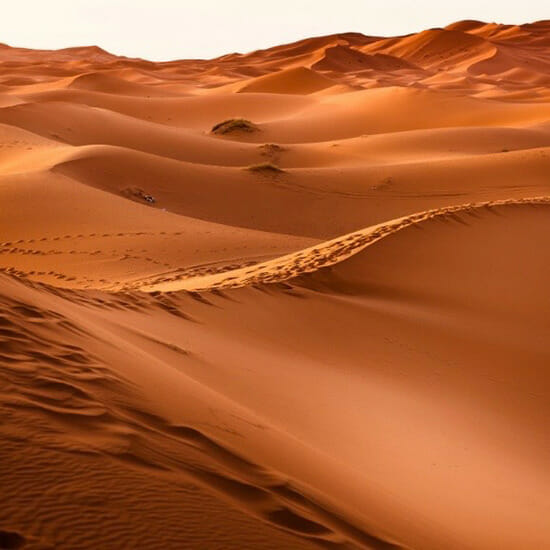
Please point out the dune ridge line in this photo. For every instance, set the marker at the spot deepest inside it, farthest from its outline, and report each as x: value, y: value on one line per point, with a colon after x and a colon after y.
x: 317, y: 257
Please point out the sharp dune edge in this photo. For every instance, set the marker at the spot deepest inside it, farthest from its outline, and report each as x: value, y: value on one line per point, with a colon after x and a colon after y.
x: 325, y: 327
x: 319, y: 256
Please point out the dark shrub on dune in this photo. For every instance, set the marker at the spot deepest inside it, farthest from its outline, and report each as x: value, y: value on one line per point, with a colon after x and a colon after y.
x: 234, y: 125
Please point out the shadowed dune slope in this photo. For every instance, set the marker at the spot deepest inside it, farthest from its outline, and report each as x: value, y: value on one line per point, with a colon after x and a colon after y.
x: 291, y: 81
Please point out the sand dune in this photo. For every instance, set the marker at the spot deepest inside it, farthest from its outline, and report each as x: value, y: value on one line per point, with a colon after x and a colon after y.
x: 426, y: 48
x: 346, y: 59
x: 199, y: 113
x: 324, y: 327
x: 107, y: 83
x: 291, y: 81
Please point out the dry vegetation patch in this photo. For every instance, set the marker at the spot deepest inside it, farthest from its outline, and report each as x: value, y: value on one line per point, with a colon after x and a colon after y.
x: 234, y: 125
x: 265, y: 168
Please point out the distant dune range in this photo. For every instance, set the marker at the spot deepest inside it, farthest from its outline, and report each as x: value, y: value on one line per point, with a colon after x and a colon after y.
x: 323, y: 324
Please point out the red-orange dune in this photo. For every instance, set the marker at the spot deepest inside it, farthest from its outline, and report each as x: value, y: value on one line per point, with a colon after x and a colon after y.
x: 291, y: 299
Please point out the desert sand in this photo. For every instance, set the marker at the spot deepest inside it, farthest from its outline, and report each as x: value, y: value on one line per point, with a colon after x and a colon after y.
x: 289, y: 299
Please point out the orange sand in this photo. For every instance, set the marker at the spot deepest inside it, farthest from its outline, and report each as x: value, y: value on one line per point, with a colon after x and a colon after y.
x: 345, y: 347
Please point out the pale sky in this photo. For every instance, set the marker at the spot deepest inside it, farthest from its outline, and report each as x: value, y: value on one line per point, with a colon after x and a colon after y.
x: 181, y: 29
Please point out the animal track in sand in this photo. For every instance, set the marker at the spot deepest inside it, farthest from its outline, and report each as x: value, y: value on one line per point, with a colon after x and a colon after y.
x: 91, y: 235
x: 210, y: 268
x: 325, y: 254
x: 10, y: 540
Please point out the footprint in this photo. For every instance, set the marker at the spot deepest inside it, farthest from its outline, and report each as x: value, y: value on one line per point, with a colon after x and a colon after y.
x: 10, y: 540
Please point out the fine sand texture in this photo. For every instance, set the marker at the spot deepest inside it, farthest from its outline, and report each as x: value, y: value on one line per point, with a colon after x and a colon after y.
x: 292, y: 299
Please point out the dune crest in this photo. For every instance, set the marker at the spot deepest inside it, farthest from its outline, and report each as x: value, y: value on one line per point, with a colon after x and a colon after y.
x: 323, y: 255
x: 289, y: 81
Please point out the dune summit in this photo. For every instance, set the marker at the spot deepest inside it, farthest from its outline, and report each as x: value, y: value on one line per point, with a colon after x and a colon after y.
x: 290, y: 299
